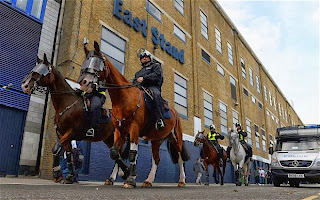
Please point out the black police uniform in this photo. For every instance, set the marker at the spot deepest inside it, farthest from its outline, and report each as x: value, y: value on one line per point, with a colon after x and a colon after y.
x: 153, y: 80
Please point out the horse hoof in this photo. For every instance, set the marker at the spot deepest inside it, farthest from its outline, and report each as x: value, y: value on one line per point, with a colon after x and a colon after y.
x: 127, y: 185
x: 181, y: 184
x: 146, y: 184
x: 246, y: 184
x: 206, y: 184
x: 58, y: 179
x: 109, y: 181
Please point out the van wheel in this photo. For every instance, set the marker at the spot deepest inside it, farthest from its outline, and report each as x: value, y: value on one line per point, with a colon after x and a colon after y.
x: 276, y: 183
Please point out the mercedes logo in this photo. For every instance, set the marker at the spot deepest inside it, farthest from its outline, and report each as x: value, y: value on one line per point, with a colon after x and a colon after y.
x: 295, y: 163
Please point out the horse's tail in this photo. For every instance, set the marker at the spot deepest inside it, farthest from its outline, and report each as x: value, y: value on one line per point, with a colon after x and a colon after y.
x: 175, y: 146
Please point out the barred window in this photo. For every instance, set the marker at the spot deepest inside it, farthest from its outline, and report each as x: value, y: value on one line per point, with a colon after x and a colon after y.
x: 251, y: 76
x: 204, y: 25
x: 243, y: 68
x: 114, y: 47
x: 180, y: 95
x: 218, y: 40
x: 249, y: 137
x: 257, y: 136
x: 223, y: 118
x: 230, y: 53
x: 265, y: 93
x: 258, y: 84
x: 179, y: 5
x: 208, y: 109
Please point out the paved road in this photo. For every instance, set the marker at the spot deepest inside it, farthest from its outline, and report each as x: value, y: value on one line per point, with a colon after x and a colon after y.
x: 35, y: 188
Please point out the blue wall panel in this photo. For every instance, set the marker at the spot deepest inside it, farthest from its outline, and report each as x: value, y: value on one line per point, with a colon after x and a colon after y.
x: 19, y: 41
x: 12, y: 123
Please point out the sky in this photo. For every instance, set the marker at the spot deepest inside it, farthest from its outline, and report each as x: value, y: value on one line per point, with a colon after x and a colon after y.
x: 285, y: 37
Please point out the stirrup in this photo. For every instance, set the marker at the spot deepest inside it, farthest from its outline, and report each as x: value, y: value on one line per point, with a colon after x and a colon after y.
x: 160, y: 125
x: 90, y: 132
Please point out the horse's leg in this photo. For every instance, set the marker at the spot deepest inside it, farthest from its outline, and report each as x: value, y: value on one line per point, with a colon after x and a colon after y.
x: 115, y: 155
x: 155, y: 161
x: 182, y: 180
x: 215, y: 173
x: 113, y: 176
x: 57, y: 173
x: 246, y: 174
x: 206, y: 165
x: 71, y: 169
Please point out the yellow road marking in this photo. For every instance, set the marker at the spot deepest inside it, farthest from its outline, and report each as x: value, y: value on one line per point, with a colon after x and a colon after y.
x: 312, y: 197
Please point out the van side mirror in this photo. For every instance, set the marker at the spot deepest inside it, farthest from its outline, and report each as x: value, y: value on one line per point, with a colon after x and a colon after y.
x: 271, y: 150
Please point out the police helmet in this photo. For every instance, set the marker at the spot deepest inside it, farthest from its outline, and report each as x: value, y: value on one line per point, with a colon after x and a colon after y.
x: 212, y: 126
x: 145, y: 53
x: 238, y: 124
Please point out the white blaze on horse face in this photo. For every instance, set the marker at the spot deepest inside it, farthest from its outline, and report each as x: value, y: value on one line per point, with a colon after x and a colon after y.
x: 27, y: 86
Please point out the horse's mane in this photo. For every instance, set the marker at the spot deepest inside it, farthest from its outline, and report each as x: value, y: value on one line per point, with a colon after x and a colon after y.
x: 116, y: 74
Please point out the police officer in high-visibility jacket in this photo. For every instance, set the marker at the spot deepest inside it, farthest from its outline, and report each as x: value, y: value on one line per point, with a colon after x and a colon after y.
x: 213, y: 137
x: 242, y: 134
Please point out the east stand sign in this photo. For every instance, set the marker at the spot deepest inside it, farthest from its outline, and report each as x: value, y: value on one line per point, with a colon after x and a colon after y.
x: 141, y: 25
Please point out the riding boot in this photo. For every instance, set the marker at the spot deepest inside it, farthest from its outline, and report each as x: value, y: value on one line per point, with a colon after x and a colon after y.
x: 228, y: 154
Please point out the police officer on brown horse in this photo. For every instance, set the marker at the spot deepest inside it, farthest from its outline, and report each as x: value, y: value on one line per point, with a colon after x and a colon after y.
x: 151, y: 77
x: 213, y: 137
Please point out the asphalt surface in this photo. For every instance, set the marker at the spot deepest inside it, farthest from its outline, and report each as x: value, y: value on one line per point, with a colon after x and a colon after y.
x: 36, y: 188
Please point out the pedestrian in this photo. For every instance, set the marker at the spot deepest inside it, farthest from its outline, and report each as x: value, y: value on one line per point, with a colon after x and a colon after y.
x: 261, y: 175
x: 256, y: 175
x: 198, y: 168
x: 269, y: 177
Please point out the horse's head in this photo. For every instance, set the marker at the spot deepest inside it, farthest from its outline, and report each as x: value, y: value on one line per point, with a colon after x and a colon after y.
x: 92, y: 66
x: 199, y: 139
x: 39, y: 75
x: 233, y: 137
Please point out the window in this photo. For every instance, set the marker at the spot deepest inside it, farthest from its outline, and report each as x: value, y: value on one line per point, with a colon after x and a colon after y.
x: 230, y: 53
x: 263, y: 140
x: 258, y: 84
x: 220, y: 69
x: 205, y: 56
x: 251, y: 76
x: 35, y: 8
x: 277, y: 121
x: 270, y: 97
x: 279, y: 109
x: 235, y: 119
x: 218, y: 40
x: 154, y: 11
x: 180, y: 95
x: 256, y: 128
x: 249, y: 137
x: 178, y: 4
x: 179, y: 33
x: 243, y: 68
x: 260, y: 105
x: 253, y: 99
x: 233, y: 88
x: 274, y: 104
x: 272, y: 117
x: 245, y: 92
x: 268, y: 113
x: 265, y: 93
x: 114, y: 48
x: 204, y: 25
x: 208, y: 109
x: 223, y: 118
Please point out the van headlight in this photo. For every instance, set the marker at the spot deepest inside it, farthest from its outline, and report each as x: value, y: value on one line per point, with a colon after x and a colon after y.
x: 317, y: 161
x: 275, y: 162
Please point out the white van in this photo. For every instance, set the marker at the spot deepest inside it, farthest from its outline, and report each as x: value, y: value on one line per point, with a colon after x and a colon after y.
x: 296, y: 157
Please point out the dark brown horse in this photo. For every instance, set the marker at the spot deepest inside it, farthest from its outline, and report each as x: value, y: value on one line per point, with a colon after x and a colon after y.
x: 130, y: 116
x: 69, y: 118
x: 210, y: 156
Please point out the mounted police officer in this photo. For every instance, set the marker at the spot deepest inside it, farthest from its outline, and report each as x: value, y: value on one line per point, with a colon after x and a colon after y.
x: 242, y: 134
x: 151, y: 77
x: 213, y: 137
x: 88, y: 81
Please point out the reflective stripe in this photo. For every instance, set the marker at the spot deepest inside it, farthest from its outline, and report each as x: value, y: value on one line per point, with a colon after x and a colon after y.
x: 103, y: 93
x: 240, y: 135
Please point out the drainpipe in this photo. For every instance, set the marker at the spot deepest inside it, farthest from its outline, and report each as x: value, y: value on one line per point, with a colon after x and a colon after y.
x: 56, y: 48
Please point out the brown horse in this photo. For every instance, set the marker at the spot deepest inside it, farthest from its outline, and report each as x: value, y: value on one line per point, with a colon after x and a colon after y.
x: 69, y: 117
x: 130, y: 116
x: 210, y: 156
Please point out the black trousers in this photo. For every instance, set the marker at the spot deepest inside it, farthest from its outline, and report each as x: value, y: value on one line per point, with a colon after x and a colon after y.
x: 96, y: 102
x: 158, y: 102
